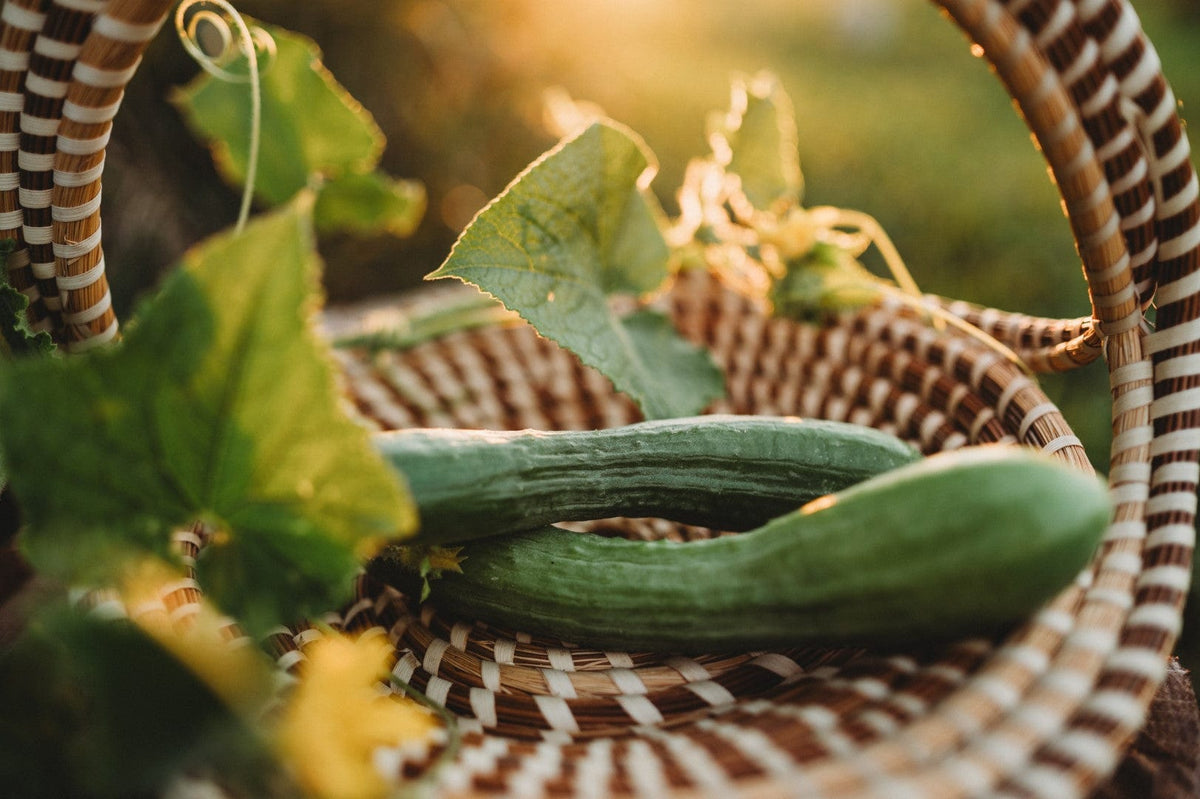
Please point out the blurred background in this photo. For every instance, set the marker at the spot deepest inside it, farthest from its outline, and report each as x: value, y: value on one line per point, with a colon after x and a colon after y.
x: 896, y: 118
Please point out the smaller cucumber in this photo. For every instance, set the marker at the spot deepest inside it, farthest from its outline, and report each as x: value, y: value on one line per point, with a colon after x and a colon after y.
x: 967, y: 542
x: 725, y: 472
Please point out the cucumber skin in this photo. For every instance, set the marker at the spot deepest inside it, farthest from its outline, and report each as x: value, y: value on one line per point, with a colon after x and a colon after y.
x: 722, y: 471
x: 964, y: 543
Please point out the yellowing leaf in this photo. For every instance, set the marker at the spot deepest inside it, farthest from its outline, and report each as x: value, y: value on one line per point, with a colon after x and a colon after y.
x: 220, y: 404
x: 337, y: 718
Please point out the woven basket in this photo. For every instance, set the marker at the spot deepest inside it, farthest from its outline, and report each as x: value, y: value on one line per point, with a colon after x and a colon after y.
x: 1045, y: 711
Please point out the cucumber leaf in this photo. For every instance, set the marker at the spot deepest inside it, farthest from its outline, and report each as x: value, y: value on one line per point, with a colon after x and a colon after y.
x: 574, y: 231
x: 758, y: 141
x: 220, y: 404
x: 312, y: 124
x: 368, y: 203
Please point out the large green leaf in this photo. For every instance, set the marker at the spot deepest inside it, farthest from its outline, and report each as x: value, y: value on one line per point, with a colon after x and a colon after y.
x: 220, y: 404
x: 571, y: 232
x: 310, y: 123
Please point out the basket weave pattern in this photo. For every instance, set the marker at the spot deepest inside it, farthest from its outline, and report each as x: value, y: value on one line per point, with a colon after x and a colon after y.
x: 1044, y: 711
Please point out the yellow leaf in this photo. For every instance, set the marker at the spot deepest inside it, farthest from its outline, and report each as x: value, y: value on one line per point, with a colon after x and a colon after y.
x: 337, y: 718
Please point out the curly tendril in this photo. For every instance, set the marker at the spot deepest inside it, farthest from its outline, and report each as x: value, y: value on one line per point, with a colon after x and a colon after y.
x: 217, y: 37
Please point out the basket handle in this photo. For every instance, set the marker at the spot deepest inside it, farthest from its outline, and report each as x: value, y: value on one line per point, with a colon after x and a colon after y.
x: 63, y: 73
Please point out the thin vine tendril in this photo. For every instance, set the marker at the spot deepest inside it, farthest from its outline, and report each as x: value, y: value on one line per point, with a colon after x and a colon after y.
x: 206, y: 29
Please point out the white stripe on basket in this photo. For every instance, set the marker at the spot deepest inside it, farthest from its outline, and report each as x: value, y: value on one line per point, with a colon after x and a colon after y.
x: 696, y: 762
x: 54, y: 89
x: 756, y: 747
x: 593, y: 770
x: 558, y: 683
x: 93, y: 146
x: 56, y: 49
x: 911, y: 704
x: 712, y: 692
x: 1169, y: 337
x: 970, y: 775
x: 1174, y: 502
x: 124, y: 31
x: 640, y: 709
x: 560, y: 658
x: 1039, y: 719
x: 406, y: 666
x: 1132, y: 438
x: 76, y: 213
x: 106, y: 336
x: 489, y: 675
x: 645, y: 771
x: 627, y: 681
x: 1176, y: 578
x: 42, y: 270
x: 70, y: 250
x: 93, y: 311
x: 1118, y: 706
x: 11, y: 102
x: 34, y: 162
x: 689, y: 669
x: 530, y: 779
x: 84, y: 6
x: 90, y: 115
x: 477, y: 759
x: 86, y: 177
x: 38, y: 126
x: 1178, y: 402
x: 1181, y: 244
x: 483, y: 705
x: 557, y: 713
x: 1177, y: 534
x: 432, y: 660
x: 34, y: 198
x: 460, y: 634
x: 779, y: 664
x: 504, y: 650
x: 438, y: 689
x: 1044, y: 781
x: 21, y: 17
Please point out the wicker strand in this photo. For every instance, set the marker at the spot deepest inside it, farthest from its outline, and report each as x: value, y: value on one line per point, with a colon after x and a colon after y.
x: 20, y: 23
x: 106, y: 62
x: 54, y: 53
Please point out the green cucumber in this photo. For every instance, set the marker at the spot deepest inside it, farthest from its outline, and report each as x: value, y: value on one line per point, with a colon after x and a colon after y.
x: 725, y: 472
x: 962, y: 543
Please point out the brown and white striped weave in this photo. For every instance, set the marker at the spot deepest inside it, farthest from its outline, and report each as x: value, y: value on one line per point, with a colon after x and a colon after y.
x: 63, y: 68
x: 1044, y: 711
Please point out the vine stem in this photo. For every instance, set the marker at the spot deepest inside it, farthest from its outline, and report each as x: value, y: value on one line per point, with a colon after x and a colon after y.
x: 246, y: 43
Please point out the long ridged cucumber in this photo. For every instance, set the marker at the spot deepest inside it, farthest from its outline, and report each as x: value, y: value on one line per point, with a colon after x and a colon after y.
x: 961, y: 543
x: 726, y: 472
